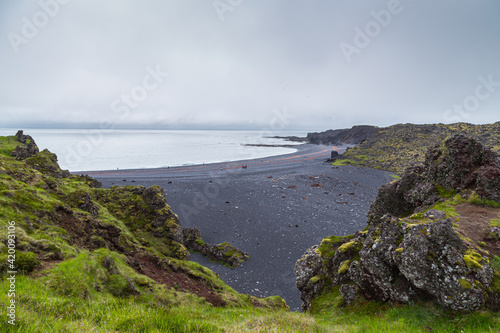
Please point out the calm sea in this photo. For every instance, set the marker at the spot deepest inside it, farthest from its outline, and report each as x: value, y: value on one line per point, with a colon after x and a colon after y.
x: 86, y: 150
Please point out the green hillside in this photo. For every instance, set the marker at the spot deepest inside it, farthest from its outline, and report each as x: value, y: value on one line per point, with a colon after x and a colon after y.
x: 90, y: 259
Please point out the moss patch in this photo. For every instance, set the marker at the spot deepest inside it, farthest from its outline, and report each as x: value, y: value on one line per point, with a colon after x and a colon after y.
x: 465, y: 283
x: 472, y: 259
x: 350, y: 246
x: 344, y: 267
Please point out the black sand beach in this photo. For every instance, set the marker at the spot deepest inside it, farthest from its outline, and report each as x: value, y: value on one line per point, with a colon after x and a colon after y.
x: 274, y: 209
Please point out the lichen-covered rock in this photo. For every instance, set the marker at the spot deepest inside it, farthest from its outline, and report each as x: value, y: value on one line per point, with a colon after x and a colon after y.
x: 308, y: 270
x: 226, y: 253
x: 91, y: 182
x: 378, y: 279
x: 349, y: 293
x: 402, y: 260
x: 391, y: 197
x: 154, y: 197
x: 223, y: 253
x: 459, y: 164
x: 436, y: 261
x: 454, y: 164
x: 434, y: 214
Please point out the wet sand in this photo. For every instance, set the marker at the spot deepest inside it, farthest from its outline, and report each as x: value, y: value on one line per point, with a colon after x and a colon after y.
x: 275, y: 209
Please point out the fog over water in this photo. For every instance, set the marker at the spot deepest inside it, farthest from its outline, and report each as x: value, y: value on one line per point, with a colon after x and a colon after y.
x: 86, y: 150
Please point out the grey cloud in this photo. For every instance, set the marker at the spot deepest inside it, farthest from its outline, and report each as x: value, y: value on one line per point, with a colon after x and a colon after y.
x: 262, y: 56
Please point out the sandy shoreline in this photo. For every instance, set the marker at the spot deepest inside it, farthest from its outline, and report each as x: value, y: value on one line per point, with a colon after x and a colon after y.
x: 274, y: 209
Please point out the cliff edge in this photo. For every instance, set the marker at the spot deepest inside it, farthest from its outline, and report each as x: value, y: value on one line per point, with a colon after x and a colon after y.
x: 432, y: 235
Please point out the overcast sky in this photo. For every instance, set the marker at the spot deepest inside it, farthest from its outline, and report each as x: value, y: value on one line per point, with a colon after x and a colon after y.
x: 290, y: 64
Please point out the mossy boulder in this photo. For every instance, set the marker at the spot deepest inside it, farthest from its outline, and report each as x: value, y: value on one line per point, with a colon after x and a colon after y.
x: 193, y: 240
x: 325, y: 264
x: 226, y: 253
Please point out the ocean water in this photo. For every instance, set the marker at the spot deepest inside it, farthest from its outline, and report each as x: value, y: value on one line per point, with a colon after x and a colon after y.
x: 87, y: 150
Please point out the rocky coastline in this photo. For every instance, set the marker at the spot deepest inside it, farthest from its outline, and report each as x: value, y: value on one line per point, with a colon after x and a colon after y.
x: 418, y: 245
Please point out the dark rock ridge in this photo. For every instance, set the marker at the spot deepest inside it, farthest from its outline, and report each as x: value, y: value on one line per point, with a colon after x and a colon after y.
x: 354, y: 135
x: 422, y: 257
x: 397, y: 147
x: 224, y: 252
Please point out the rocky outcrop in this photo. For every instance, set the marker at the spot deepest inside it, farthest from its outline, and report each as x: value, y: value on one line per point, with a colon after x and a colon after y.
x: 397, y: 147
x: 354, y: 135
x: 461, y: 163
x: 401, y: 262
x: 224, y: 252
x: 458, y: 165
x: 422, y: 257
x: 29, y: 149
x: 192, y: 239
x: 46, y: 163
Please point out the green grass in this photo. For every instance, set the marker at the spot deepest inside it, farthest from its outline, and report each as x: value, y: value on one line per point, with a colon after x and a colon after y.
x: 495, y: 263
x: 370, y: 316
x: 341, y: 162
x: 73, y: 307
x: 43, y: 307
x: 444, y: 193
x: 446, y: 207
x: 8, y: 144
x: 475, y: 199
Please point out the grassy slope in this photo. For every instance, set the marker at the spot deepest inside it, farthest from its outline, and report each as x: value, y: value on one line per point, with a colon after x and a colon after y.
x: 81, y: 288
x: 74, y: 277
x: 396, y: 147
